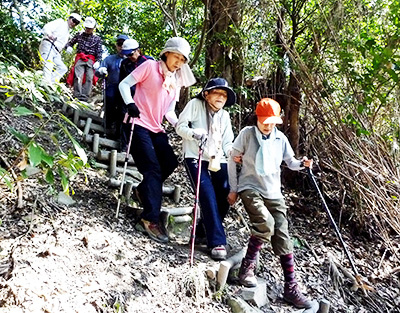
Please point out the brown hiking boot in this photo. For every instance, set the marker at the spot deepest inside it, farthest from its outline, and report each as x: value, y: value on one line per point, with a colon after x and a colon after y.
x: 153, y: 230
x: 293, y: 295
x: 246, y: 273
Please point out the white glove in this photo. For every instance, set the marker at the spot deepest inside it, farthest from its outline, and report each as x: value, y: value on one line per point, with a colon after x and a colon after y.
x: 103, y: 71
x: 96, y: 65
x: 199, y: 134
x: 69, y: 49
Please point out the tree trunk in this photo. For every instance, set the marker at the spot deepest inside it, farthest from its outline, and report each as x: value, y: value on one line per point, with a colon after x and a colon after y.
x: 294, y: 103
x: 224, y: 46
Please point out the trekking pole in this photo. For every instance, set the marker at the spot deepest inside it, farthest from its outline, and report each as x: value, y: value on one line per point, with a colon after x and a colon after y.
x: 196, y: 201
x: 104, y: 112
x: 128, y: 149
x: 312, y: 178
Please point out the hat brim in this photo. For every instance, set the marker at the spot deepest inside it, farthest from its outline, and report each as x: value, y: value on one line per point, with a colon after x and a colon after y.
x: 231, y: 100
x: 174, y: 51
x: 127, y: 51
x: 269, y: 119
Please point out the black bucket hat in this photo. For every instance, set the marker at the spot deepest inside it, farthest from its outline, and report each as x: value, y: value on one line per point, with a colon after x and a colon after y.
x: 219, y: 83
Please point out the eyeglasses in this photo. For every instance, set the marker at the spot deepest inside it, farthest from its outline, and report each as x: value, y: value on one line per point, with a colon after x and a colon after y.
x: 120, y: 43
x: 75, y: 21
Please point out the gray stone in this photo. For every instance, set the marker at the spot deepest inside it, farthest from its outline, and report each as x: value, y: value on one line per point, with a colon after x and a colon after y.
x: 256, y: 296
x: 238, y: 305
x: 65, y: 199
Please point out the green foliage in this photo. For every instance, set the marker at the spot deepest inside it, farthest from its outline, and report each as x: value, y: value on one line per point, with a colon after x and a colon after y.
x: 6, y: 178
x: 28, y: 95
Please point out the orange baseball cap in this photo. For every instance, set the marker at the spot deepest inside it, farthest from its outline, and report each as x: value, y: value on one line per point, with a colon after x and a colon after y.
x: 268, y: 111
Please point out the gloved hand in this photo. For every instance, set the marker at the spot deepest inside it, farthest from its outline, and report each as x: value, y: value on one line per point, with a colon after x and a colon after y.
x: 133, y: 110
x: 69, y: 49
x: 103, y: 71
x: 199, y: 134
x: 96, y: 65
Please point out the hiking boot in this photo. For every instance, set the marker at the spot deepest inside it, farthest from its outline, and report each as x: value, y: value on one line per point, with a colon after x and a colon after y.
x: 153, y: 230
x: 246, y: 273
x: 293, y: 295
x: 218, y: 253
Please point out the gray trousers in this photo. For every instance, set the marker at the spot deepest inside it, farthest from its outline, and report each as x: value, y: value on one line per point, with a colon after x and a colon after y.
x: 268, y: 220
x: 82, y: 90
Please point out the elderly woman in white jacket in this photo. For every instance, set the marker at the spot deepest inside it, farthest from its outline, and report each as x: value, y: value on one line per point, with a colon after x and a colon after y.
x: 204, y: 117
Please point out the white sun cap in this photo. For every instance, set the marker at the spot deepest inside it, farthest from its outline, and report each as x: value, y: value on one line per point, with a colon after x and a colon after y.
x: 76, y: 16
x: 89, y: 22
x: 177, y: 45
x: 129, y: 45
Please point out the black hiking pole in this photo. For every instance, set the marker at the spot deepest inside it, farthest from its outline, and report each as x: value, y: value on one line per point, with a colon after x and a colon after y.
x: 196, y: 201
x: 312, y: 178
x: 128, y: 149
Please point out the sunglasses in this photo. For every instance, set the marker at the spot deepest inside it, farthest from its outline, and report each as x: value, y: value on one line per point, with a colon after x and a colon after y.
x: 75, y: 21
x: 132, y: 53
x: 120, y: 43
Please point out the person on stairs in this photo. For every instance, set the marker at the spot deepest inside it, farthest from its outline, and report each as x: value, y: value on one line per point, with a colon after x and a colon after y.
x: 158, y: 86
x: 55, y: 37
x: 134, y: 58
x: 87, y: 60
x: 204, y: 118
x: 260, y: 150
x: 109, y: 70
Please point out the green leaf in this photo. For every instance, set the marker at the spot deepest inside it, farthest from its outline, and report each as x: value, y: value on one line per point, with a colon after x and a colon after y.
x: 64, y: 180
x: 21, y: 111
x: 22, y: 137
x: 35, y: 154
x: 49, y: 176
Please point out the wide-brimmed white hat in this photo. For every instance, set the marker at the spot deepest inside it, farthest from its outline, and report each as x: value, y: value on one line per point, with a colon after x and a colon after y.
x: 177, y: 45
x: 89, y: 22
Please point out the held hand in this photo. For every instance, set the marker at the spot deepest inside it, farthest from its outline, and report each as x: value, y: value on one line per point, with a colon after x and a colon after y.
x: 52, y: 38
x: 133, y: 110
x: 69, y: 50
x: 96, y: 65
x: 307, y: 163
x: 199, y: 134
x: 237, y: 159
x: 232, y: 197
x: 103, y: 71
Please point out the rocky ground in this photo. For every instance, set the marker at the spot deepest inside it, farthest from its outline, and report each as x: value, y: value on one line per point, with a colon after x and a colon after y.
x: 80, y: 258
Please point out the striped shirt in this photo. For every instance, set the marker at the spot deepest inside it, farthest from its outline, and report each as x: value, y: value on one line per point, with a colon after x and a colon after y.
x: 88, y: 44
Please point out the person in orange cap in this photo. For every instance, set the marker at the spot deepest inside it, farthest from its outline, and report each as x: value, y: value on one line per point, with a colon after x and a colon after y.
x: 261, y: 150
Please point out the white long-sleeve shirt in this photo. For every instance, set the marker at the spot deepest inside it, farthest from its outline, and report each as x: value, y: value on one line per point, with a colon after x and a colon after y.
x: 58, y: 29
x: 194, y: 115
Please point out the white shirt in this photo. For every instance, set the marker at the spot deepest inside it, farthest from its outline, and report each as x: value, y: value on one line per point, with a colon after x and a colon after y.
x: 194, y: 115
x: 58, y: 29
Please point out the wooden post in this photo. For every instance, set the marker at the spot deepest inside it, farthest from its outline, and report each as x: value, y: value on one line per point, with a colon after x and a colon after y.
x: 226, y: 265
x: 76, y: 117
x: 96, y: 140
x: 128, y: 189
x: 113, y: 163
x: 177, y: 194
x: 324, y: 306
x: 87, y: 126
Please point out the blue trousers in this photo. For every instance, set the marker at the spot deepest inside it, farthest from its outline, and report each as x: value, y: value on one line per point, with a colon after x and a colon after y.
x: 155, y: 160
x: 214, y: 190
